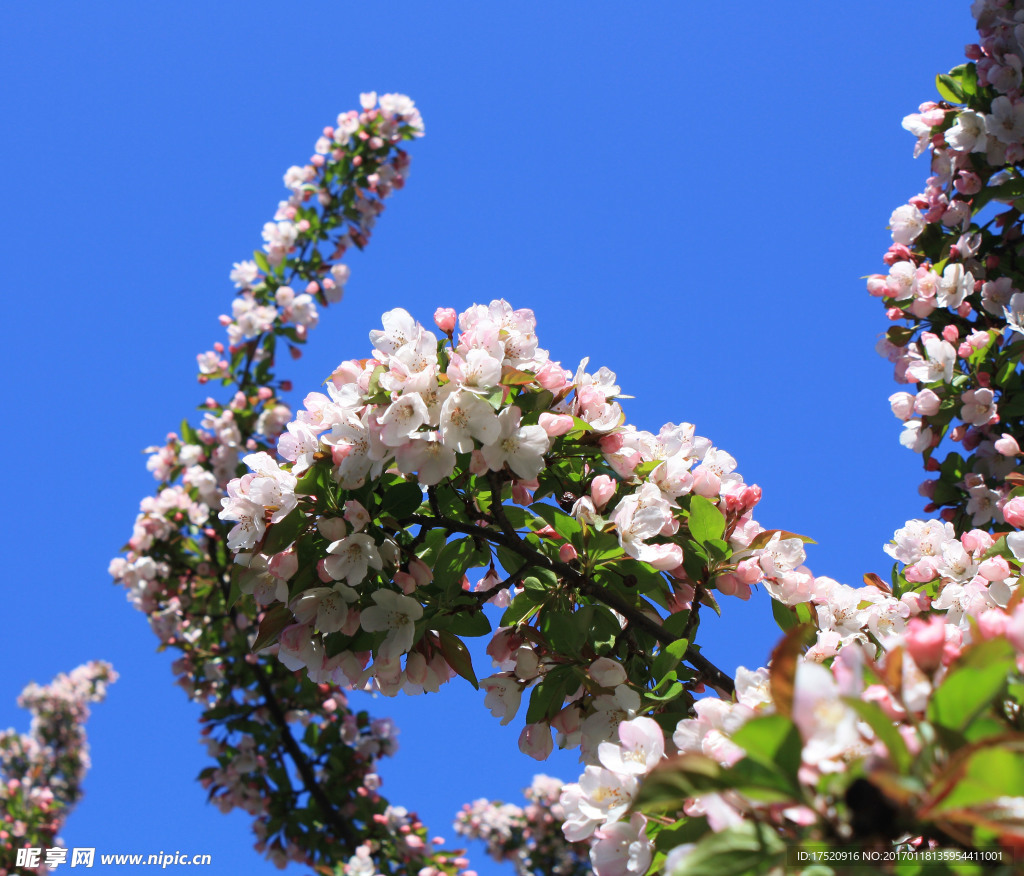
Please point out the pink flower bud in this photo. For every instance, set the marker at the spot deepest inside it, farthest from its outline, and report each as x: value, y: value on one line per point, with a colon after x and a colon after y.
x: 916, y: 602
x: 977, y: 541
x: 612, y: 443
x: 902, y: 405
x: 706, y: 483
x: 284, y: 564
x: 730, y: 584
x: 552, y: 376
x: 555, y: 424
x: 445, y: 318
x: 994, y: 569
x: 681, y: 598
x: 993, y: 624
x: 420, y: 571
x: 478, y: 465
x: 405, y: 581
x: 921, y: 572
x: 927, y: 403
x: 520, y: 494
x: 567, y: 553
x: 1007, y: 445
x: 535, y: 740
x: 968, y: 183
x: 607, y: 672
x: 1013, y: 511
x: 749, y: 571
x: 926, y: 641
x: 877, y: 285
x: 602, y: 488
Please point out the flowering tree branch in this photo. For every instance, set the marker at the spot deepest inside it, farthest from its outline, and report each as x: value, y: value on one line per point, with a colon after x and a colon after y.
x: 890, y: 715
x: 41, y: 772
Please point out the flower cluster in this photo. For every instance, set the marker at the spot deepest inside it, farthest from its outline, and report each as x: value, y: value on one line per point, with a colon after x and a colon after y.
x: 530, y: 836
x: 288, y: 751
x: 876, y: 746
x: 885, y: 704
x: 41, y: 772
x: 454, y: 474
x: 435, y: 456
x: 953, y: 277
x: 437, y: 435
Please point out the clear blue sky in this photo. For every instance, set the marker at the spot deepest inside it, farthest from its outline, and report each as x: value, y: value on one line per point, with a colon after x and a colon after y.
x: 689, y: 195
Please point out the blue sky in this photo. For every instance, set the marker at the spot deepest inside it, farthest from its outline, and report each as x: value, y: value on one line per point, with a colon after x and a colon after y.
x: 687, y: 195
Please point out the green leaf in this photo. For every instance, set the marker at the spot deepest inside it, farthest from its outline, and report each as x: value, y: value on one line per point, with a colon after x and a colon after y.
x: 988, y: 773
x: 455, y: 558
x: 688, y: 831
x: 520, y: 518
x: 464, y: 623
x: 188, y: 434
x: 432, y: 544
x: 515, y: 377
x: 898, y: 335
x: 457, y: 656
x: 969, y: 79
x: 558, y: 520
x: 604, y: 629
x: 1008, y: 191
x: 564, y: 631
x: 235, y: 592
x: 747, y: 849
x: 976, y: 679
x: 282, y: 534
x: 679, y: 778
x: 278, y: 617
x: 315, y: 480
x: 260, y: 258
x: 872, y: 714
x: 774, y: 742
x: 949, y: 88
x: 784, y: 615
x: 535, y: 401
x: 676, y: 623
x: 669, y: 659
x: 706, y: 521
x: 402, y: 499
x: 522, y: 608
x: 549, y: 695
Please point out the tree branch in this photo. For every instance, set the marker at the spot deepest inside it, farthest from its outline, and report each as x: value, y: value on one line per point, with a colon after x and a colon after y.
x: 510, y: 539
x: 331, y: 816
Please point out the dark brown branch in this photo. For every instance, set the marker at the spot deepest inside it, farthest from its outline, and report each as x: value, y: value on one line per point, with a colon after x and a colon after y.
x: 331, y: 815
x: 511, y: 540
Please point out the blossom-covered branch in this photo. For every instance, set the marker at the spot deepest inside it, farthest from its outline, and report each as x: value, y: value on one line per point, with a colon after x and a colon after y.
x: 890, y: 718
x: 41, y: 772
x: 287, y: 750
